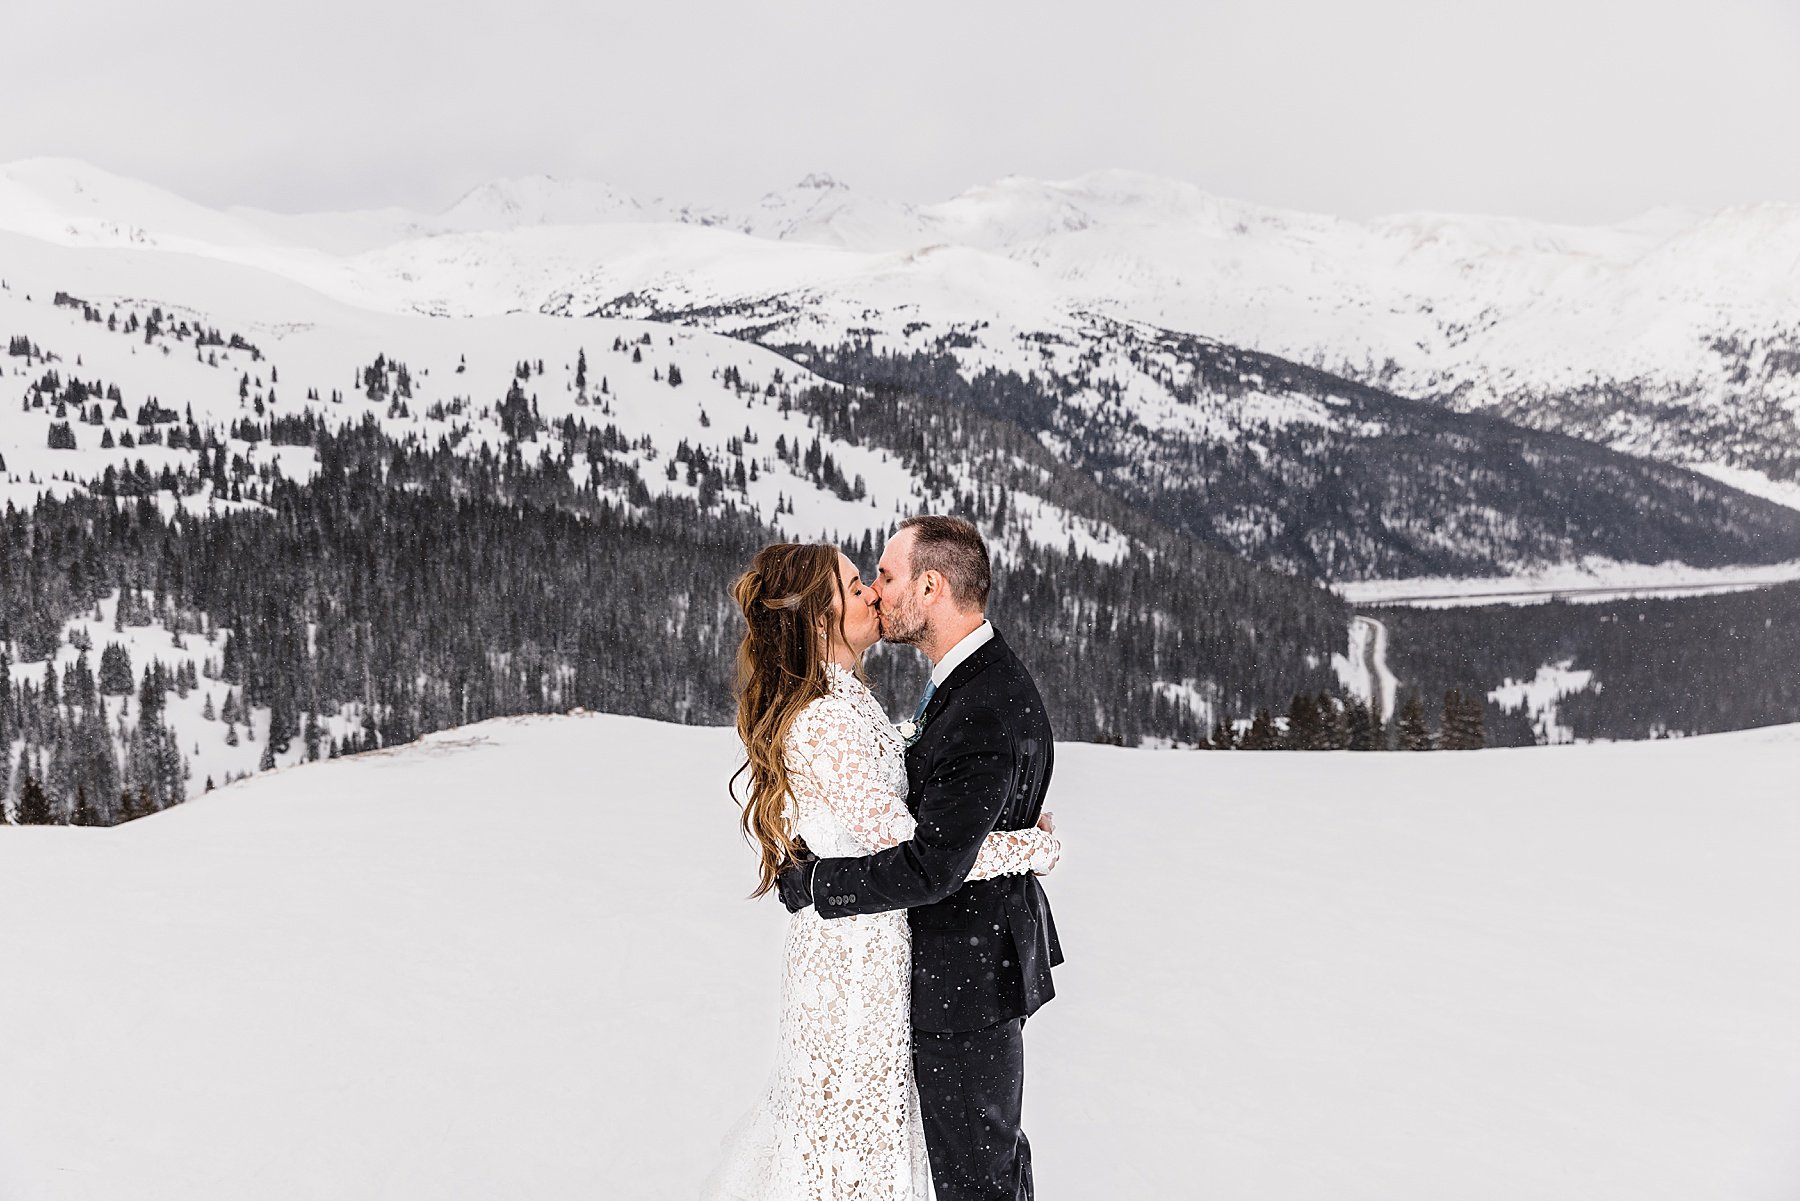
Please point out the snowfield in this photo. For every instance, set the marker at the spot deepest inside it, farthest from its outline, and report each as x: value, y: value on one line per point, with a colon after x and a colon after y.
x: 1683, y: 319
x: 514, y: 960
x: 1592, y: 580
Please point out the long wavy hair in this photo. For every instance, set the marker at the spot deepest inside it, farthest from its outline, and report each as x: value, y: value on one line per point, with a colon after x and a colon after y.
x: 787, y: 597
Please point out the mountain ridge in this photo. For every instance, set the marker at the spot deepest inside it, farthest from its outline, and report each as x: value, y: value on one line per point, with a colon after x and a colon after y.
x: 1667, y: 335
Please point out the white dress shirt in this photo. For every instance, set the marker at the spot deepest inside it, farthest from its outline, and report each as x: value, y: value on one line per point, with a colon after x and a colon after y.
x: 972, y: 642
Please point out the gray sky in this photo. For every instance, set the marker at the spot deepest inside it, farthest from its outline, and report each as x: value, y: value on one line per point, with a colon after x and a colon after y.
x: 1577, y: 110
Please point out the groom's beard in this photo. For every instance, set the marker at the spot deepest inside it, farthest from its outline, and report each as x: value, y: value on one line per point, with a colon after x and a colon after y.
x: 898, y: 629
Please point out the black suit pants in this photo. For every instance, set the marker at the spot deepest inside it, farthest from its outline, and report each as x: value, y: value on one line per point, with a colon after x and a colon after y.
x: 971, y: 1086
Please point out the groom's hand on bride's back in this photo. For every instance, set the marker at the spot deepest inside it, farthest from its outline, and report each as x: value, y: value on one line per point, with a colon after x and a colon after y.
x: 794, y: 883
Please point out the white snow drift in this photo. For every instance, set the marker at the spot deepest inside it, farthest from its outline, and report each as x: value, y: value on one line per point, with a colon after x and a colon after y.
x: 514, y: 960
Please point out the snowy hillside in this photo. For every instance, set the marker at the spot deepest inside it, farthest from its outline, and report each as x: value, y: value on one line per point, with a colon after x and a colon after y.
x: 1667, y: 335
x: 1227, y: 446
x: 514, y: 960
x: 643, y: 392
x: 305, y: 353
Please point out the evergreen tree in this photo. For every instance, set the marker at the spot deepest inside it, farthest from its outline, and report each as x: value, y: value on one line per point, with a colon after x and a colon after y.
x: 1476, y: 715
x: 281, y: 723
x: 6, y: 714
x: 150, y: 695
x: 1415, y: 735
x: 1305, y: 732
x: 115, y: 669
x: 1262, y: 735
x: 34, y: 806
x: 24, y: 765
x: 78, y: 687
x: 1464, y: 723
x: 1334, y: 723
x: 1359, y: 725
x: 1224, y: 734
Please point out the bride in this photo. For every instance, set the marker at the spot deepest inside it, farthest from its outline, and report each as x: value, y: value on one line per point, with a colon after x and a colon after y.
x: 840, y: 1118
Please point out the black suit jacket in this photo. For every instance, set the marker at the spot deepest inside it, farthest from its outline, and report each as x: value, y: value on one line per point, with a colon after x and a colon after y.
x: 981, y: 951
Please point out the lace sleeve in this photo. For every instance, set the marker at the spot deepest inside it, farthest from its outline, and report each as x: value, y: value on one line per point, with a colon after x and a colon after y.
x: 840, y: 769
x: 1009, y: 852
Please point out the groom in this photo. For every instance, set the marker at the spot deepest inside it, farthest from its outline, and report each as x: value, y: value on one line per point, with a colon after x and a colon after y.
x: 982, y: 951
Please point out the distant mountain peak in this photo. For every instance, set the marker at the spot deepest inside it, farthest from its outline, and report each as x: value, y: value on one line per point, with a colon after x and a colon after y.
x: 542, y: 200
x: 820, y: 181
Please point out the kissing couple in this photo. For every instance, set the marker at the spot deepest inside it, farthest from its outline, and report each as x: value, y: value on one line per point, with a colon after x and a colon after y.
x: 919, y: 939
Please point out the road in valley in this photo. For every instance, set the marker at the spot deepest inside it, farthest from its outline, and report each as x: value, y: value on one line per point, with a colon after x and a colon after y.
x: 1369, y: 641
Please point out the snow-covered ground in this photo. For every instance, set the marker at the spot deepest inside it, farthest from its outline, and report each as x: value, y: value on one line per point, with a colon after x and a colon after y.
x: 1539, y: 696
x: 1593, y: 579
x: 514, y: 960
x: 1692, y: 311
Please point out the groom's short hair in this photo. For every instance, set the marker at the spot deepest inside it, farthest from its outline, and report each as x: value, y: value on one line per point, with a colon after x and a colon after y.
x: 953, y: 548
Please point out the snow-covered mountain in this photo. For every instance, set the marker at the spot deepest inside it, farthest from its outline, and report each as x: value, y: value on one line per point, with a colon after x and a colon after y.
x: 1080, y: 293
x: 659, y: 392
x: 1668, y: 335
x: 459, y: 969
x: 1132, y: 304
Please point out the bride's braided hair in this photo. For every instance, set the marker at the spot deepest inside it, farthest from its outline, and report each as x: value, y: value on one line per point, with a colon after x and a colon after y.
x: 786, y: 597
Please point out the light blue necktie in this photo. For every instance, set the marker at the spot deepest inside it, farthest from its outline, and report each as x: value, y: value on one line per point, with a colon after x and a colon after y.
x: 924, y: 703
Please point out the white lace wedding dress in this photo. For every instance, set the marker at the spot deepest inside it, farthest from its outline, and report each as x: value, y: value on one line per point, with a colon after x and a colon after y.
x: 840, y: 1118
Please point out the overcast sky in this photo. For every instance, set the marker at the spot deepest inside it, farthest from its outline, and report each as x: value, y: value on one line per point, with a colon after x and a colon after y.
x: 1575, y: 110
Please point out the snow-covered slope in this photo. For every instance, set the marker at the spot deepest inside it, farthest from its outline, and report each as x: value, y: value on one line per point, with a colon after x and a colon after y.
x: 1600, y: 331
x: 480, y: 967
x: 69, y: 201
x: 1076, y: 292
x: 126, y: 361
x: 307, y: 344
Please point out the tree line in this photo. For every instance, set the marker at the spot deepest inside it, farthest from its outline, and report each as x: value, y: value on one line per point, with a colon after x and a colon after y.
x: 1662, y: 666
x: 423, y: 588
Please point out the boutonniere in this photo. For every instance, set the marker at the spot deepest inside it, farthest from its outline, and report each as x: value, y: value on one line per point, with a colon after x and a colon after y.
x: 909, y: 731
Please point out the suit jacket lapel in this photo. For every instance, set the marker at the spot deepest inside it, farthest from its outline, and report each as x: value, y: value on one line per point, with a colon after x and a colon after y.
x: 983, y: 655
